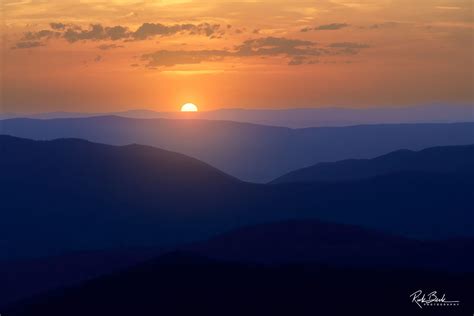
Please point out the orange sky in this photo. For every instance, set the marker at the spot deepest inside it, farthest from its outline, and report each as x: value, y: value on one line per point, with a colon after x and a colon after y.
x: 92, y: 56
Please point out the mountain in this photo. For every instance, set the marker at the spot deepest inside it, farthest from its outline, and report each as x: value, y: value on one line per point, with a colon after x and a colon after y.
x: 278, y: 243
x: 298, y: 118
x: 182, y: 284
x: 333, y: 116
x: 22, y: 279
x: 313, y: 241
x: 249, y: 152
x: 72, y: 195
x: 449, y: 159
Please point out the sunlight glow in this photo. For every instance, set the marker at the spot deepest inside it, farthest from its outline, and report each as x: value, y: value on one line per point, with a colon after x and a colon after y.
x: 189, y: 107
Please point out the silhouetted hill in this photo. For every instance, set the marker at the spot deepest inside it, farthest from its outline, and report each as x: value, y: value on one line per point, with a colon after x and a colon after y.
x: 333, y: 244
x: 22, y: 279
x: 72, y: 195
x: 449, y: 159
x: 250, y: 152
x: 154, y: 164
x: 183, y: 284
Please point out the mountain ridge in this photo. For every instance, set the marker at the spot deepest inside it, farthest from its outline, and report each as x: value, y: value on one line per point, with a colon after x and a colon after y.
x: 62, y: 196
x: 249, y: 152
x: 299, y: 117
x: 434, y: 159
x: 334, y: 244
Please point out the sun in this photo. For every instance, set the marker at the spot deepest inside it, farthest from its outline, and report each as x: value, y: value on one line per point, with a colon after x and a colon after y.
x: 189, y: 107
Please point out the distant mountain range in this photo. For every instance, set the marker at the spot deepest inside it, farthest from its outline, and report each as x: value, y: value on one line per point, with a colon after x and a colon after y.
x: 72, y: 195
x: 449, y: 159
x: 249, y: 152
x: 298, y: 118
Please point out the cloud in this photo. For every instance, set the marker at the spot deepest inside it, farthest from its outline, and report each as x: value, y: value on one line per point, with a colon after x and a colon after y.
x: 109, y: 46
x: 349, y: 45
x: 331, y: 27
x: 116, y: 32
x: 43, y: 34
x: 266, y: 46
x: 57, y: 26
x: 271, y: 46
x: 98, y: 32
x: 28, y: 44
x: 297, y: 51
x: 148, y: 30
x: 326, y: 27
x: 167, y: 58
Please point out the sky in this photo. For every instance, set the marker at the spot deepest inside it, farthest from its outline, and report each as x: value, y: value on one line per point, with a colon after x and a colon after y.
x: 103, y: 56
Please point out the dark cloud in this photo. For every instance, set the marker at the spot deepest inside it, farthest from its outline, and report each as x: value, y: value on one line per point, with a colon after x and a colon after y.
x: 270, y: 46
x: 169, y: 58
x: 43, y: 34
x: 57, y: 26
x: 349, y: 45
x: 207, y: 29
x: 302, y: 61
x: 297, y: 51
x: 148, y: 30
x: 98, y: 32
x: 326, y: 27
x: 117, y: 32
x: 331, y: 27
x: 27, y: 44
x: 109, y: 46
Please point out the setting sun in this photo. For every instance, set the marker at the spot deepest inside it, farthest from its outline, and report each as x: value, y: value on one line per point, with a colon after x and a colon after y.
x: 189, y: 107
